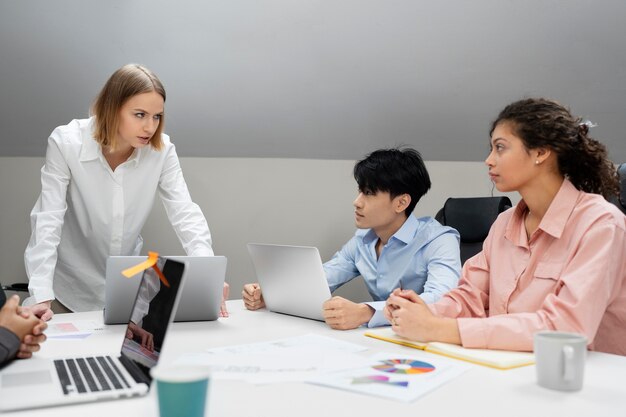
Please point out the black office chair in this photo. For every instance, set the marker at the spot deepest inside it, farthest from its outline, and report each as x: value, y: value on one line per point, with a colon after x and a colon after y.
x: 16, y: 287
x: 620, y: 200
x: 472, y: 218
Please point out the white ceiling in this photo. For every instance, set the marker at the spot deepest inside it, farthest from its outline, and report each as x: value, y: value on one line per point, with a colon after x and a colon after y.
x: 329, y: 79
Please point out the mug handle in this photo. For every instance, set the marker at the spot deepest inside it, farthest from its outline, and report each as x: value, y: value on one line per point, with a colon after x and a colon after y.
x: 568, y: 363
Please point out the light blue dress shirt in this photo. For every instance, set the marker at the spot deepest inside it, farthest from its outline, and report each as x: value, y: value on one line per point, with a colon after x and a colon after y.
x: 422, y: 256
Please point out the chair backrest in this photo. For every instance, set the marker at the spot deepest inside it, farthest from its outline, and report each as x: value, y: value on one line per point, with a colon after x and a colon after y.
x: 19, y: 288
x: 620, y: 200
x: 472, y: 217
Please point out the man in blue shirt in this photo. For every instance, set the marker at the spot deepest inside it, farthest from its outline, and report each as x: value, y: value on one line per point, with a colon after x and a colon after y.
x: 392, y: 248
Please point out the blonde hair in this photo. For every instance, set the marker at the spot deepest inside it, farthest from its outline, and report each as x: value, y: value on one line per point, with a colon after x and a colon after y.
x: 126, y: 82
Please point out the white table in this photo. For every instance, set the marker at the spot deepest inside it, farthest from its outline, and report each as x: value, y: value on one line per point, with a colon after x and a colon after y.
x: 480, y: 392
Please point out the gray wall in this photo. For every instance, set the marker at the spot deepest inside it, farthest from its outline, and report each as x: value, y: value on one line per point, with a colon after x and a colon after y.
x: 315, y: 78
x: 285, y: 201
x: 275, y: 99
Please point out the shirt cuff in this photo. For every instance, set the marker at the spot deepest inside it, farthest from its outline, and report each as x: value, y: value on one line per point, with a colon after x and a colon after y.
x: 473, y: 332
x: 429, y: 297
x: 378, y: 319
x: 202, y: 251
x: 39, y: 297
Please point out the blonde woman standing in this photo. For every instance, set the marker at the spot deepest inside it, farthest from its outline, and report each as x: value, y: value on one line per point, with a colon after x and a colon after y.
x: 99, y: 182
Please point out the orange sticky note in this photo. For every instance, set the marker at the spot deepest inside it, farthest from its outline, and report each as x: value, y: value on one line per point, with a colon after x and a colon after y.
x: 150, y: 262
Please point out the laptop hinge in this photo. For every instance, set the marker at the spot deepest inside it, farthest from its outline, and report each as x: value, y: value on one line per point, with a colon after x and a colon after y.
x: 133, y: 369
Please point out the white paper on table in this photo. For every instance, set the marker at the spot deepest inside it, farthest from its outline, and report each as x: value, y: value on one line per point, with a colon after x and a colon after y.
x: 73, y: 330
x: 395, y: 376
x: 309, y: 341
x: 293, y: 359
x: 291, y: 365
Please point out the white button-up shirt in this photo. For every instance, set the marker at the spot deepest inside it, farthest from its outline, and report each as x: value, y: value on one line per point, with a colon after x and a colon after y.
x: 87, y: 212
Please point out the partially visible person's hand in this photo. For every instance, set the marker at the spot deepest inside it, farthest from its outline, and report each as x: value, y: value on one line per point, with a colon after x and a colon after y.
x: 26, y: 326
x: 42, y: 310
x: 411, y: 318
x: 16, y: 321
x: 147, y: 339
x: 32, y: 341
x: 342, y: 314
x: 389, y: 308
x: 225, y: 292
x: 252, y: 296
x: 409, y: 315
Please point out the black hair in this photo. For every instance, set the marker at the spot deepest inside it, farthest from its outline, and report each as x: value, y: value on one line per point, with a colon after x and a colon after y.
x: 396, y: 171
x: 540, y: 122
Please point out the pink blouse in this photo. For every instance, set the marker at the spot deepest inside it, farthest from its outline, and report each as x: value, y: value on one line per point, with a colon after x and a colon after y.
x: 570, y: 276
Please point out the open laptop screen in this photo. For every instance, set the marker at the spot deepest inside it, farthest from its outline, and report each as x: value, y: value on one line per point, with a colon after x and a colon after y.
x: 151, y: 314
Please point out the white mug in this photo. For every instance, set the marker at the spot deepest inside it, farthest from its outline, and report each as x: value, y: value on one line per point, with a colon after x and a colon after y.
x: 560, y: 360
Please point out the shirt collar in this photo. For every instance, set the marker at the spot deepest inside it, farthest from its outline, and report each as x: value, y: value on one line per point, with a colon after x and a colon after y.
x: 136, y: 156
x: 91, y: 150
x: 404, y: 234
x: 553, y: 222
x: 560, y: 209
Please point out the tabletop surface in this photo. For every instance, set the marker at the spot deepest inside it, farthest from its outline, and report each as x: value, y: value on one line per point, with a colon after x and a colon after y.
x: 480, y: 391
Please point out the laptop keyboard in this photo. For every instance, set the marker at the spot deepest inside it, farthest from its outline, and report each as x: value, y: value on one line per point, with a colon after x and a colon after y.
x: 92, y: 374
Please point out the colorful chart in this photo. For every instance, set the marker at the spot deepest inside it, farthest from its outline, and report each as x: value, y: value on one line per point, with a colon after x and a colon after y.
x: 404, y: 366
x: 379, y: 379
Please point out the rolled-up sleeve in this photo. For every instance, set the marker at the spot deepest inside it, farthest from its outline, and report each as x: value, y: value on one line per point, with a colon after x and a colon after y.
x: 471, y: 297
x: 589, y: 283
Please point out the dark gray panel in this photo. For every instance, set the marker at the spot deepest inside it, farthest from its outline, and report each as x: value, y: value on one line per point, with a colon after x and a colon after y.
x: 315, y: 79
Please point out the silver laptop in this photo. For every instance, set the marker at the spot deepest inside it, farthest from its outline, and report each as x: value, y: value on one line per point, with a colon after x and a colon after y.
x: 292, y: 279
x: 202, y: 293
x: 35, y: 383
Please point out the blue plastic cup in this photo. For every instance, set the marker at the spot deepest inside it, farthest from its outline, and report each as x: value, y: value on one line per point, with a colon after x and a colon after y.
x: 181, y: 390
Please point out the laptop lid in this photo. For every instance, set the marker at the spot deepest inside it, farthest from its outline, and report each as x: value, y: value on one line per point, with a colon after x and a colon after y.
x: 204, y: 285
x: 151, y: 315
x: 201, y: 295
x: 292, y: 279
x: 69, y: 380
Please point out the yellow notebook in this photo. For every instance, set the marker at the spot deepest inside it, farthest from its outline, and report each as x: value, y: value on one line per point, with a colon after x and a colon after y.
x: 499, y: 359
